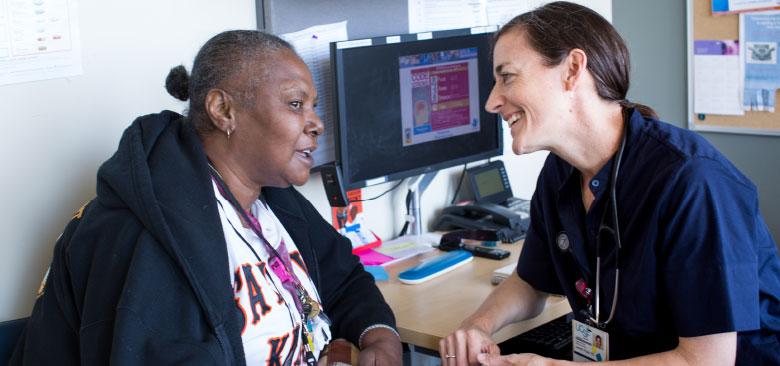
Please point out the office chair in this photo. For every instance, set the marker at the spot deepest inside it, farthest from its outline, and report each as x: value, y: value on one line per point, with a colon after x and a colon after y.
x: 9, y: 333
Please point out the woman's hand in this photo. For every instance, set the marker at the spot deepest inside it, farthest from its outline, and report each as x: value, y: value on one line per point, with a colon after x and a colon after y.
x: 522, y: 359
x: 465, y: 344
x: 380, y: 347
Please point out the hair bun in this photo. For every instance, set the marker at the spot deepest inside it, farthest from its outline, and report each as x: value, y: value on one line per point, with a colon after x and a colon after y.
x: 177, y: 83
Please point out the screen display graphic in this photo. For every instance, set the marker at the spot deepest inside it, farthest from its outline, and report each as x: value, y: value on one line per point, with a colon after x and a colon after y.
x: 489, y: 182
x: 439, y: 95
x: 412, y: 105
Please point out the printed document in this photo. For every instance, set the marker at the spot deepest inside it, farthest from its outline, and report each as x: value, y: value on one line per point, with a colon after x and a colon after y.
x: 38, y: 40
x: 433, y: 15
x: 736, y: 6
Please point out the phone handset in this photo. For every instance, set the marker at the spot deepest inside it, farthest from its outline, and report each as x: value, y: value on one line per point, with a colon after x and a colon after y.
x: 498, y: 214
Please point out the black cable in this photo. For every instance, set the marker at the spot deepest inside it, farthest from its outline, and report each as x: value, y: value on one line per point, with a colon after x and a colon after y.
x: 460, y: 182
x: 409, y: 197
x: 383, y: 193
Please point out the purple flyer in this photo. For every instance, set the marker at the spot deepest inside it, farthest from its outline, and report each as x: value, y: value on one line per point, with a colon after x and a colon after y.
x: 715, y: 47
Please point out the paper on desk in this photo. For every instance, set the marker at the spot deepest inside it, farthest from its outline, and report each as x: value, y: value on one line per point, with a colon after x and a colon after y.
x: 759, y: 35
x: 431, y: 15
x: 313, y: 45
x: 401, y: 250
x: 717, y: 84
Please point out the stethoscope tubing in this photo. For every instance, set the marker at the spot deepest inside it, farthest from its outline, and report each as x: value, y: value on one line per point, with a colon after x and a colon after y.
x: 616, y: 235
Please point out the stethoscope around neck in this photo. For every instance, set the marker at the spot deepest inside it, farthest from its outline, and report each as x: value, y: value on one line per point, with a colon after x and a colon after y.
x: 594, y: 315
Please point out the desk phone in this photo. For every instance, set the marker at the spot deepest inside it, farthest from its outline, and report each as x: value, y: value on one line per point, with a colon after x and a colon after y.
x: 494, y: 207
x: 478, y: 251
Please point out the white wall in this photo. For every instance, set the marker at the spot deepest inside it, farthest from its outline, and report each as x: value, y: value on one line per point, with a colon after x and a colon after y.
x: 57, y: 132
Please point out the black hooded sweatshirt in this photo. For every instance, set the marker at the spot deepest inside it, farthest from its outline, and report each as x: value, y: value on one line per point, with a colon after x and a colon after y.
x: 140, y: 274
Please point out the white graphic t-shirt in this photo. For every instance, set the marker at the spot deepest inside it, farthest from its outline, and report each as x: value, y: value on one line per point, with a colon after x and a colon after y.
x: 272, y: 324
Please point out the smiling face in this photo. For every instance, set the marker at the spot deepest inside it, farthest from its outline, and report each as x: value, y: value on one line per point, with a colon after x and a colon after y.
x: 276, y: 132
x: 528, y: 95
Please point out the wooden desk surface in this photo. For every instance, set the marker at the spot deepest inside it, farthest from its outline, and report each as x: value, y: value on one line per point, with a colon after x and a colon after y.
x: 429, y: 311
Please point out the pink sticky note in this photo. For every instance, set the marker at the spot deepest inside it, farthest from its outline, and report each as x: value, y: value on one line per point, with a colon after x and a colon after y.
x: 371, y: 257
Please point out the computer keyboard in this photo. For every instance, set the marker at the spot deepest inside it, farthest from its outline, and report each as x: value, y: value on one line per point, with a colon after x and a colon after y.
x: 552, y: 339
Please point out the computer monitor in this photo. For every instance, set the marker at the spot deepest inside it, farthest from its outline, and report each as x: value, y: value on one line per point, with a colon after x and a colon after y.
x: 413, y: 104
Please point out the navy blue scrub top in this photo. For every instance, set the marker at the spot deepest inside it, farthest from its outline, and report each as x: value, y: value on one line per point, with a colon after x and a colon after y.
x: 697, y: 257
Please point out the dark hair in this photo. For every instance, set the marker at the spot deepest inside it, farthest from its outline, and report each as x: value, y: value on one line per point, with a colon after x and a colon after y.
x: 553, y: 30
x: 225, y: 57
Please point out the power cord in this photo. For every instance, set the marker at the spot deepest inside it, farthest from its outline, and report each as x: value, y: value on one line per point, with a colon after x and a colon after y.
x: 383, y: 193
x: 460, y: 182
x: 409, y: 197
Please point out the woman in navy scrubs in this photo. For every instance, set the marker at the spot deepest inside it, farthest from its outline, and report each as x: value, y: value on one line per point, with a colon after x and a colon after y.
x: 653, y: 236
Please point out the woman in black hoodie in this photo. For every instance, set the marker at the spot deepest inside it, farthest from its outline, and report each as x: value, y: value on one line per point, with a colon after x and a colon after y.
x: 196, y: 249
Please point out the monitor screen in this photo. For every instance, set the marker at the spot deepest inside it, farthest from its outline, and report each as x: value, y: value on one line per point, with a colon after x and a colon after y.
x: 412, y: 104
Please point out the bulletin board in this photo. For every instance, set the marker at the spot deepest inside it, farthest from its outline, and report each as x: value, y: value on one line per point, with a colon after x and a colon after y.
x: 703, y: 25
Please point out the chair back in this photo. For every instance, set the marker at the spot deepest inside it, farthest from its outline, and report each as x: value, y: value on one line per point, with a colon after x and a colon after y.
x: 9, y: 333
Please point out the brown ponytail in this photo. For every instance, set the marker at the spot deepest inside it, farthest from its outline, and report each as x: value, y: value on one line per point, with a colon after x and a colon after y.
x: 644, y: 110
x: 555, y: 29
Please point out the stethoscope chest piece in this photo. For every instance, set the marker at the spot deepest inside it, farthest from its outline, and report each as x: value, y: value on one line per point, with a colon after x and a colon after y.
x: 562, y: 241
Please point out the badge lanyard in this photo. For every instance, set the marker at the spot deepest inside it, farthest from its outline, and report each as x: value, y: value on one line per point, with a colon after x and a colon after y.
x: 281, y: 266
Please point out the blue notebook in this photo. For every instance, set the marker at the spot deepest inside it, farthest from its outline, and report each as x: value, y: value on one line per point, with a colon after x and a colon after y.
x: 435, y: 267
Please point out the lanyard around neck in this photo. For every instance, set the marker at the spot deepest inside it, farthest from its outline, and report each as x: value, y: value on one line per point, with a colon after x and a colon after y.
x: 281, y: 266
x: 279, y: 262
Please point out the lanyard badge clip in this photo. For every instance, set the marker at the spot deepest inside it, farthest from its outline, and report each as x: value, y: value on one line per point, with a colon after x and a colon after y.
x: 590, y: 342
x: 587, y: 293
x: 583, y: 290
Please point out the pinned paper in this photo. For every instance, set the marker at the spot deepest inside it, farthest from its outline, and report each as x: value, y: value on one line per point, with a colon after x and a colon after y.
x: 433, y: 15
x: 313, y: 45
x: 735, y: 6
x: 39, y: 40
x: 716, y: 79
x: 759, y: 36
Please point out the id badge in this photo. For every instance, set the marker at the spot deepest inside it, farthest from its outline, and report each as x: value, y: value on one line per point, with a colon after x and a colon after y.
x: 589, y: 343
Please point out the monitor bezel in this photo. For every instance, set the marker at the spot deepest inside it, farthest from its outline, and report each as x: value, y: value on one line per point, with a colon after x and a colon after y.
x: 336, y: 59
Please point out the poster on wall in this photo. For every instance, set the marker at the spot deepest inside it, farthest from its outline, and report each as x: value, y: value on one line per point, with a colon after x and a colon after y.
x: 39, y: 40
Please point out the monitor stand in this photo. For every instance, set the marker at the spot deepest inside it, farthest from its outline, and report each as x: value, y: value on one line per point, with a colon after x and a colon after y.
x: 416, y: 234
